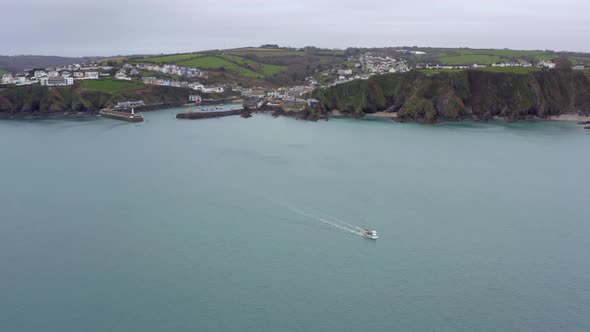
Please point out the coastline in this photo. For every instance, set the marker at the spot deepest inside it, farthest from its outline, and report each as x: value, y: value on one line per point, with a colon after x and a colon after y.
x: 390, y: 115
x: 570, y: 117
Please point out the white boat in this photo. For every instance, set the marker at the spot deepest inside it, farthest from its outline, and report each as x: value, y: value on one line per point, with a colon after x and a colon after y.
x: 370, y: 234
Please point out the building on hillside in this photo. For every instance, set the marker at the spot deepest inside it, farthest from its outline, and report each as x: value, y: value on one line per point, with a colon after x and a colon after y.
x: 253, y: 93
x: 121, y: 76
x: 578, y: 67
x: 39, y: 73
x: 546, y: 64
x: 78, y: 74
x: 19, y: 80
x: 129, y: 104
x: 213, y: 89
x: 56, y: 81
x: 296, y: 105
x: 196, y: 86
x: 91, y: 75
x: 313, y: 103
x: 7, y: 79
x: 194, y: 99
x: 345, y: 72
x: 149, y: 80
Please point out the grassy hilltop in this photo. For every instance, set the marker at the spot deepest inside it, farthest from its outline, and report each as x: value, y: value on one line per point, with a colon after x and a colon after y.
x: 469, y: 56
x: 252, y: 65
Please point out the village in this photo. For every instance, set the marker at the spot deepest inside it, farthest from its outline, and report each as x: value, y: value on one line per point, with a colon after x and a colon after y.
x: 288, y: 98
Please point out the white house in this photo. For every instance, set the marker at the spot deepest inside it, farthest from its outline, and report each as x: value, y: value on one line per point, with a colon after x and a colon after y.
x: 56, y: 81
x: 211, y: 89
x: 121, y: 76
x: 39, y: 73
x: 197, y: 86
x: 195, y: 99
x: 546, y: 64
x: 7, y: 79
x: 78, y: 74
x: 345, y: 72
x: 19, y: 80
x: 91, y: 75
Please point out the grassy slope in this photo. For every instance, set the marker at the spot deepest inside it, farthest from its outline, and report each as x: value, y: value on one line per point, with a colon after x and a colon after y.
x: 513, y: 70
x: 465, y: 56
x: 111, y: 86
x: 230, y: 60
x: 170, y: 59
x: 263, y: 52
x: 469, y: 59
x: 2, y: 71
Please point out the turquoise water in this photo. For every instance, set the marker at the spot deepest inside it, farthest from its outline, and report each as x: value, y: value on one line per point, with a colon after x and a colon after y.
x: 179, y: 225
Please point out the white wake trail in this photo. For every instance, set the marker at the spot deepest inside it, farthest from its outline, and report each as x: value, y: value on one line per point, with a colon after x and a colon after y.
x: 353, y: 231
x: 340, y: 221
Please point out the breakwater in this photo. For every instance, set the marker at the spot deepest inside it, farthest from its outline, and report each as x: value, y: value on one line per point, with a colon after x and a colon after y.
x: 119, y: 115
x: 207, y: 115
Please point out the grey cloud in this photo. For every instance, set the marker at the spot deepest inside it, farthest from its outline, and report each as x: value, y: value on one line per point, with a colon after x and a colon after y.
x: 107, y: 27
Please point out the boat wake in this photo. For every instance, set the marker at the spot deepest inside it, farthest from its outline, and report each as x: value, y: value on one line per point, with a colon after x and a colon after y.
x: 329, y: 220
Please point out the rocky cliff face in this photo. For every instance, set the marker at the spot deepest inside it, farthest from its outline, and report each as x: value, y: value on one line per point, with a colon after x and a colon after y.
x: 39, y: 100
x: 455, y: 96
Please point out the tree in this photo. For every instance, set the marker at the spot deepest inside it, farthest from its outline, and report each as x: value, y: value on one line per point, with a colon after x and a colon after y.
x: 563, y: 63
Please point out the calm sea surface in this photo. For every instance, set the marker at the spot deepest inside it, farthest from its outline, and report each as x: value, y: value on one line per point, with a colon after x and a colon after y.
x: 179, y: 225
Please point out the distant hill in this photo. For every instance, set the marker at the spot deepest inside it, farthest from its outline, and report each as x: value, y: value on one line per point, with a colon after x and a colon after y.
x: 16, y: 63
x: 251, y: 65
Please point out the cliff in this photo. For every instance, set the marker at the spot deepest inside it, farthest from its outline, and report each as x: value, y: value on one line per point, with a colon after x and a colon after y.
x: 464, y: 95
x: 41, y: 100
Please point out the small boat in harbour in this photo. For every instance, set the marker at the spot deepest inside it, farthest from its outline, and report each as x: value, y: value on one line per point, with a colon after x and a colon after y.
x: 370, y: 234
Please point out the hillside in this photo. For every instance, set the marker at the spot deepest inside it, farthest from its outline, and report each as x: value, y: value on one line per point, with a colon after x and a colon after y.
x: 87, y: 96
x: 461, y: 95
x: 469, y: 56
x: 252, y: 65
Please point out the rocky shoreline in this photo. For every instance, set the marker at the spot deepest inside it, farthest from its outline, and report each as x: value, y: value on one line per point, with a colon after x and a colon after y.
x: 580, y: 119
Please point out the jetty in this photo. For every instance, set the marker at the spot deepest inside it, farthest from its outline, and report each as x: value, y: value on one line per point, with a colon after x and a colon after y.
x: 207, y: 115
x: 121, y: 115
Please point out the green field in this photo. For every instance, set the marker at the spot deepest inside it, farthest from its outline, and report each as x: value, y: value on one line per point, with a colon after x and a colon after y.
x: 111, y: 86
x: 263, y: 52
x: 469, y: 59
x: 244, y: 67
x: 276, y: 65
x: 217, y: 63
x: 463, y: 56
x: 501, y: 52
x: 270, y: 70
x: 2, y: 71
x: 169, y: 59
x: 513, y: 70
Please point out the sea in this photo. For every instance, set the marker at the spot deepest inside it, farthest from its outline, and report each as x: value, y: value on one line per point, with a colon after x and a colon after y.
x: 235, y: 224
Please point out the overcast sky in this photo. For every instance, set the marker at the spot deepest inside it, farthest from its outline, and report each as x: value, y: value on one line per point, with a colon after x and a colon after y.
x: 109, y: 27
